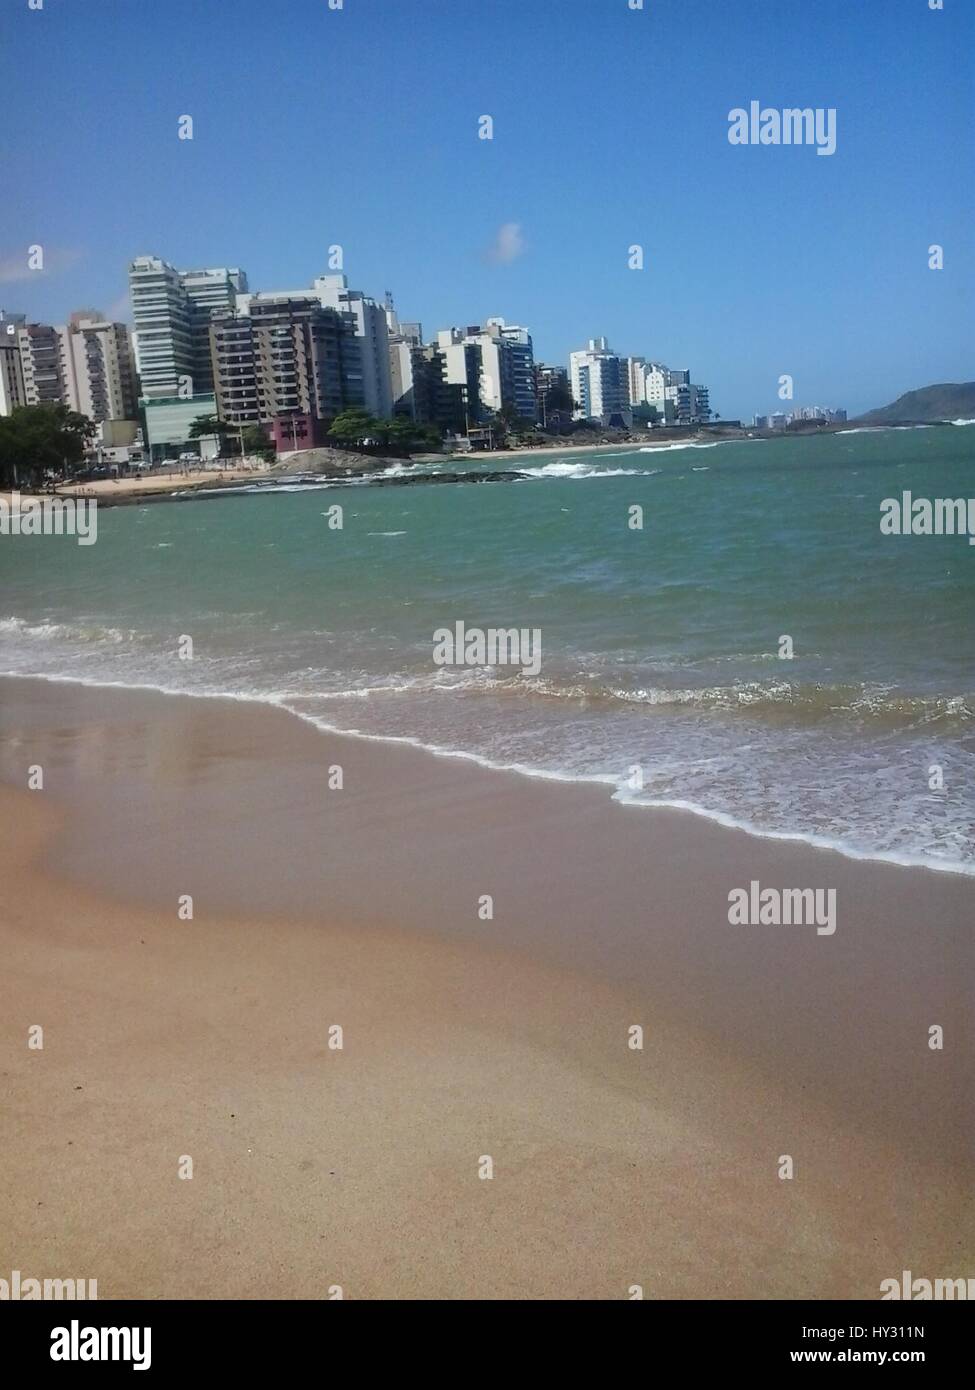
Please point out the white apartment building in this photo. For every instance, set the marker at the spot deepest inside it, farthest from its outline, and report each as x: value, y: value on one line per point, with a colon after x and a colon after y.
x: 648, y: 381
x: 172, y: 309
x: 333, y: 292
x: 40, y: 361
x: 495, y: 363
x: 405, y: 339
x: 519, y: 375
x: 97, y: 367
x: 600, y: 384
x: 671, y: 392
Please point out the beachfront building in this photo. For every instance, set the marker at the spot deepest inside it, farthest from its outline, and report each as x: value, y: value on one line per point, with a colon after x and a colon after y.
x: 169, y: 420
x: 40, y: 361
x: 172, y: 309
x: 370, y: 329
x: 368, y: 375
x: 692, y: 403
x: 461, y: 356
x: 647, y: 382
x: 671, y: 394
x: 405, y: 343
x: 287, y: 358
x: 208, y: 292
x: 11, y: 371
x: 162, y: 330
x: 519, y: 374
x: 495, y: 365
x: 11, y: 377
x: 437, y: 400
x: 97, y: 367
x: 600, y: 385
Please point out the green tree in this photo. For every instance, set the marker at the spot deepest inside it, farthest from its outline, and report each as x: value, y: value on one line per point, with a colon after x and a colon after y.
x: 355, y: 425
x: 41, y: 440
x: 255, y: 441
x: 409, y: 434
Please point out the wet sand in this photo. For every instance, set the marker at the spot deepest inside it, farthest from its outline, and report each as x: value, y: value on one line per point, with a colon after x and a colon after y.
x: 463, y: 1038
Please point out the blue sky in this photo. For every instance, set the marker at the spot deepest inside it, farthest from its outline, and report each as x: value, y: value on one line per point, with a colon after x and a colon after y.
x: 359, y: 127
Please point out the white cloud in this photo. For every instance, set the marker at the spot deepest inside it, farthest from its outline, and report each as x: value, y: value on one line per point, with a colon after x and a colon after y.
x: 508, y: 244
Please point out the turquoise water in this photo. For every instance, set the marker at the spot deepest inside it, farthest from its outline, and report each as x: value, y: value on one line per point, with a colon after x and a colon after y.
x: 660, y: 647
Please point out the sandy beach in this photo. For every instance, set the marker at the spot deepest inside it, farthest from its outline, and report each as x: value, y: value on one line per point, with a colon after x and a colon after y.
x: 153, y: 485
x: 463, y: 1039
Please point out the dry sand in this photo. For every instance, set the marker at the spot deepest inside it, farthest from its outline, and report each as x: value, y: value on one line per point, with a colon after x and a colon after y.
x: 463, y: 1038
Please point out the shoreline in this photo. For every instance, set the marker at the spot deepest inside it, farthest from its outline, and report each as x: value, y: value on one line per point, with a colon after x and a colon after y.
x: 123, y: 491
x: 712, y: 817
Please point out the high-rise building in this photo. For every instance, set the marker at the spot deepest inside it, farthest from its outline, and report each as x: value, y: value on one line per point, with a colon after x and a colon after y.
x: 495, y: 364
x: 286, y: 356
x: 692, y: 403
x: 40, y: 360
x: 11, y: 371
x: 636, y: 368
x: 648, y: 381
x: 172, y: 309
x: 405, y: 342
x: 370, y: 321
x: 518, y: 376
x: 161, y: 314
x: 437, y: 400
x: 208, y: 292
x: 11, y: 377
x: 97, y: 367
x: 671, y: 393
x: 600, y: 385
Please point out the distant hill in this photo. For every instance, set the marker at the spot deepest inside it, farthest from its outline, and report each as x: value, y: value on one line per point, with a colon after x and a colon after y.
x: 952, y: 400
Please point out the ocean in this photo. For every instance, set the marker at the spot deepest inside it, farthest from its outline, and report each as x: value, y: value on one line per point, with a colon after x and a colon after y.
x: 661, y: 674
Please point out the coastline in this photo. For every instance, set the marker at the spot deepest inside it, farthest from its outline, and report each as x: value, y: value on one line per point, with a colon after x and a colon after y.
x: 113, y: 492
x: 615, y: 446
x: 505, y: 1037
